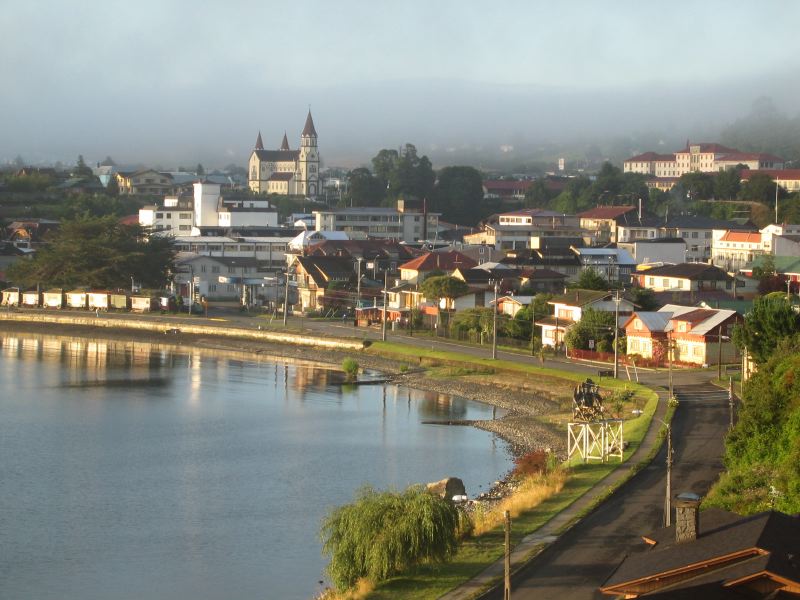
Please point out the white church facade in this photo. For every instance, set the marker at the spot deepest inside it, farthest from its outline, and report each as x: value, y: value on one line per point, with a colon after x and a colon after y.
x: 286, y: 171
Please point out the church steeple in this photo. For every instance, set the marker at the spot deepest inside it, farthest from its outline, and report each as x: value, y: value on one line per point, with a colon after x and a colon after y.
x: 259, y: 143
x: 309, y: 128
x: 285, y: 143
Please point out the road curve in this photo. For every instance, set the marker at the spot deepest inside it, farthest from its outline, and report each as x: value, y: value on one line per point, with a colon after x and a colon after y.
x: 574, y: 566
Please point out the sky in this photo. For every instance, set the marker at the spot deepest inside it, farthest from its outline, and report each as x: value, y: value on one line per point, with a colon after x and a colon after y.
x: 176, y: 82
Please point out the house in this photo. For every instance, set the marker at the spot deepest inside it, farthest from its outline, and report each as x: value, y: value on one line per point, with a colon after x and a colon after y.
x: 30, y: 233
x: 713, y: 554
x: 734, y: 250
x: 11, y: 254
x: 699, y: 336
x: 53, y: 298
x: 784, y: 265
x: 315, y: 274
x: 685, y: 277
x: 506, y: 189
x: 301, y: 242
x: 418, y: 269
x: 698, y: 233
x: 788, y: 179
x: 560, y: 259
x: 11, y: 297
x: 614, y: 264
x: 511, y: 305
x: 603, y: 221
x: 76, y: 298
x: 568, y: 307
x: 658, y: 250
x: 221, y: 278
x: 638, y: 228
x: 526, y: 228
x: 542, y: 280
x: 144, y: 182
x: 409, y: 222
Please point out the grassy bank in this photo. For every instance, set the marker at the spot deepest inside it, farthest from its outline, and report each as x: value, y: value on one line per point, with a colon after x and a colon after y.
x: 431, y: 581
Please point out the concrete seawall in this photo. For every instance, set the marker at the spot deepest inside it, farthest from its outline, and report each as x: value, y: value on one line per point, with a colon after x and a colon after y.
x: 164, y: 327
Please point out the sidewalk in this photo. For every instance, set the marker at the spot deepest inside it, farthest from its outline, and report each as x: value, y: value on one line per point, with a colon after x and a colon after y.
x: 550, y: 531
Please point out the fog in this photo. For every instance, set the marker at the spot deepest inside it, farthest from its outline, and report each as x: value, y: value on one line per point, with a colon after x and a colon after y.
x: 173, y: 84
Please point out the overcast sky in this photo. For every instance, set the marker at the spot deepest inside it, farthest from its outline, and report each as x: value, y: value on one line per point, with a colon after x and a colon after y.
x: 176, y: 82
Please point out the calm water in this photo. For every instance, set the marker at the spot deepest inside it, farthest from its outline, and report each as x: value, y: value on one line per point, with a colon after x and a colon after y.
x: 132, y: 473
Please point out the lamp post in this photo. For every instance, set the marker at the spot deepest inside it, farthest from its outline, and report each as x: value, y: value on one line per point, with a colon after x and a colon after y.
x: 358, y: 286
x: 286, y: 297
x: 385, y: 285
x: 669, y: 357
x: 668, y: 494
x: 533, y: 324
x: 133, y: 288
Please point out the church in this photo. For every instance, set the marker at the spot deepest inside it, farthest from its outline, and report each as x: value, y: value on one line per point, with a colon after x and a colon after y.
x: 286, y: 171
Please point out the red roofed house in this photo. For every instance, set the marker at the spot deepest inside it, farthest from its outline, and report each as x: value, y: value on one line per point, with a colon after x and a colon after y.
x: 751, y: 160
x: 603, y: 220
x: 694, y: 332
x: 418, y: 269
x: 733, y: 250
x: 504, y: 189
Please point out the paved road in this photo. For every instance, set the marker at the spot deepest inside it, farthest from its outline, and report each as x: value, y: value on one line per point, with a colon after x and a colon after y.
x: 574, y: 566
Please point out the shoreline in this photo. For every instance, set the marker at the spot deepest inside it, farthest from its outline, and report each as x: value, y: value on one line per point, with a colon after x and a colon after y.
x: 518, y: 427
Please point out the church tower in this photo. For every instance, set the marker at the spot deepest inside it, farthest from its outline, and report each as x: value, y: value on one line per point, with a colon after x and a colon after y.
x: 308, y: 162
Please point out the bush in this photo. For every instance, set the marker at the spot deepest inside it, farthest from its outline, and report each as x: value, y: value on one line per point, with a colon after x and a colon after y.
x: 350, y: 368
x: 382, y: 534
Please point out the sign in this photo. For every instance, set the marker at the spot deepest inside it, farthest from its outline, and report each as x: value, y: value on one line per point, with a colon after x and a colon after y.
x: 224, y: 279
x: 591, y: 344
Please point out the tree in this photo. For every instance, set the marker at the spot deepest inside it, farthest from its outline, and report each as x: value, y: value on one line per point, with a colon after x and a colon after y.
x: 82, y: 170
x: 696, y: 185
x: 443, y: 286
x: 595, y: 325
x: 458, y: 195
x: 100, y: 253
x: 771, y: 320
x: 364, y: 188
x: 404, y: 173
x: 590, y: 279
x: 643, y: 298
x: 539, y: 195
x: 727, y: 183
x: 199, y: 170
x: 760, y: 188
x: 382, y: 534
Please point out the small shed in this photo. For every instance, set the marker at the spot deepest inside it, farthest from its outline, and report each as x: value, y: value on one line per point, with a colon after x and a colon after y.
x: 99, y: 299
x: 76, y: 299
x: 120, y: 301
x: 144, y: 303
x: 31, y: 298
x: 11, y: 297
x: 53, y: 298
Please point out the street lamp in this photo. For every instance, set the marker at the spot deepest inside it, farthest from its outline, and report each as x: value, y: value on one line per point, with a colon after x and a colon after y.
x: 133, y: 288
x: 669, y: 357
x: 358, y: 286
x: 617, y: 300
x: 385, y: 285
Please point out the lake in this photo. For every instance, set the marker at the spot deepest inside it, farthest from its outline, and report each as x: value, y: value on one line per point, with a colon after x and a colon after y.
x: 132, y: 472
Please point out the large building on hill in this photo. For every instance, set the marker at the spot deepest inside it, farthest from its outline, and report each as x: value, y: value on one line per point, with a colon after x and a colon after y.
x: 286, y: 171
x: 664, y: 169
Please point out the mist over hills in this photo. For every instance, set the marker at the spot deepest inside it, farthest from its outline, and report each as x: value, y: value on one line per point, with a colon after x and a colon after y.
x: 453, y: 121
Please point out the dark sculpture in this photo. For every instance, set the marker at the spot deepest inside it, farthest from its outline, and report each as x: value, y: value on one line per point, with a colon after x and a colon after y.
x: 587, y: 403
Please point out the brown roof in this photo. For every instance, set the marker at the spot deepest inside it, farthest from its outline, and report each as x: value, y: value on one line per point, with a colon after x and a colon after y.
x: 765, y: 542
x: 751, y: 156
x: 650, y: 157
x: 309, y: 127
x: 605, y: 212
x: 741, y: 236
x: 693, y: 271
x: 439, y: 261
x: 782, y: 174
x: 277, y: 155
x: 281, y: 177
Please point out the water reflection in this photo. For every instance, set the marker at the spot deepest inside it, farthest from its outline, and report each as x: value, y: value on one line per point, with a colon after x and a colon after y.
x: 220, y: 484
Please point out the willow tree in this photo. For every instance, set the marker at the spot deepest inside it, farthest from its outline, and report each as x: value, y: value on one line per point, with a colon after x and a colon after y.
x: 382, y: 534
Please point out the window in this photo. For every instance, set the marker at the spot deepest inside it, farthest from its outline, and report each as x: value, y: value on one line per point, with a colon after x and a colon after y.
x: 159, y: 215
x: 215, y: 268
x: 212, y: 287
x: 202, y: 268
x: 694, y: 235
x: 231, y: 269
x: 665, y: 283
x: 637, y: 324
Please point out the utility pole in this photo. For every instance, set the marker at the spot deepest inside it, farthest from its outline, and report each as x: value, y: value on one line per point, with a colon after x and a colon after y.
x: 494, y: 322
x: 358, y: 287
x: 385, y: 284
x: 669, y: 355
x: 533, y: 324
x: 776, y: 202
x: 719, y: 352
x: 668, y: 496
x: 617, y: 300
x: 730, y: 402
x: 286, y: 298
x: 507, y: 561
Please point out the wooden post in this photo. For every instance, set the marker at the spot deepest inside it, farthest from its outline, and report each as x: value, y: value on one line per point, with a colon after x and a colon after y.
x: 507, y: 586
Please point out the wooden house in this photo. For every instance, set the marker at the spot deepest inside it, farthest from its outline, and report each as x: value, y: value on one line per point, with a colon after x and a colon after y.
x: 120, y: 301
x: 11, y: 297
x: 31, y: 298
x: 144, y: 303
x: 98, y: 299
x: 53, y: 298
x: 77, y: 299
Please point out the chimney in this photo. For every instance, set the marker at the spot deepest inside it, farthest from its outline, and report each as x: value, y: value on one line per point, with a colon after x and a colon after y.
x: 687, y: 517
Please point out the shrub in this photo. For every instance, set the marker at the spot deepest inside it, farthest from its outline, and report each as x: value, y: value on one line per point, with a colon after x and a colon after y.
x: 382, y: 534
x: 350, y: 368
